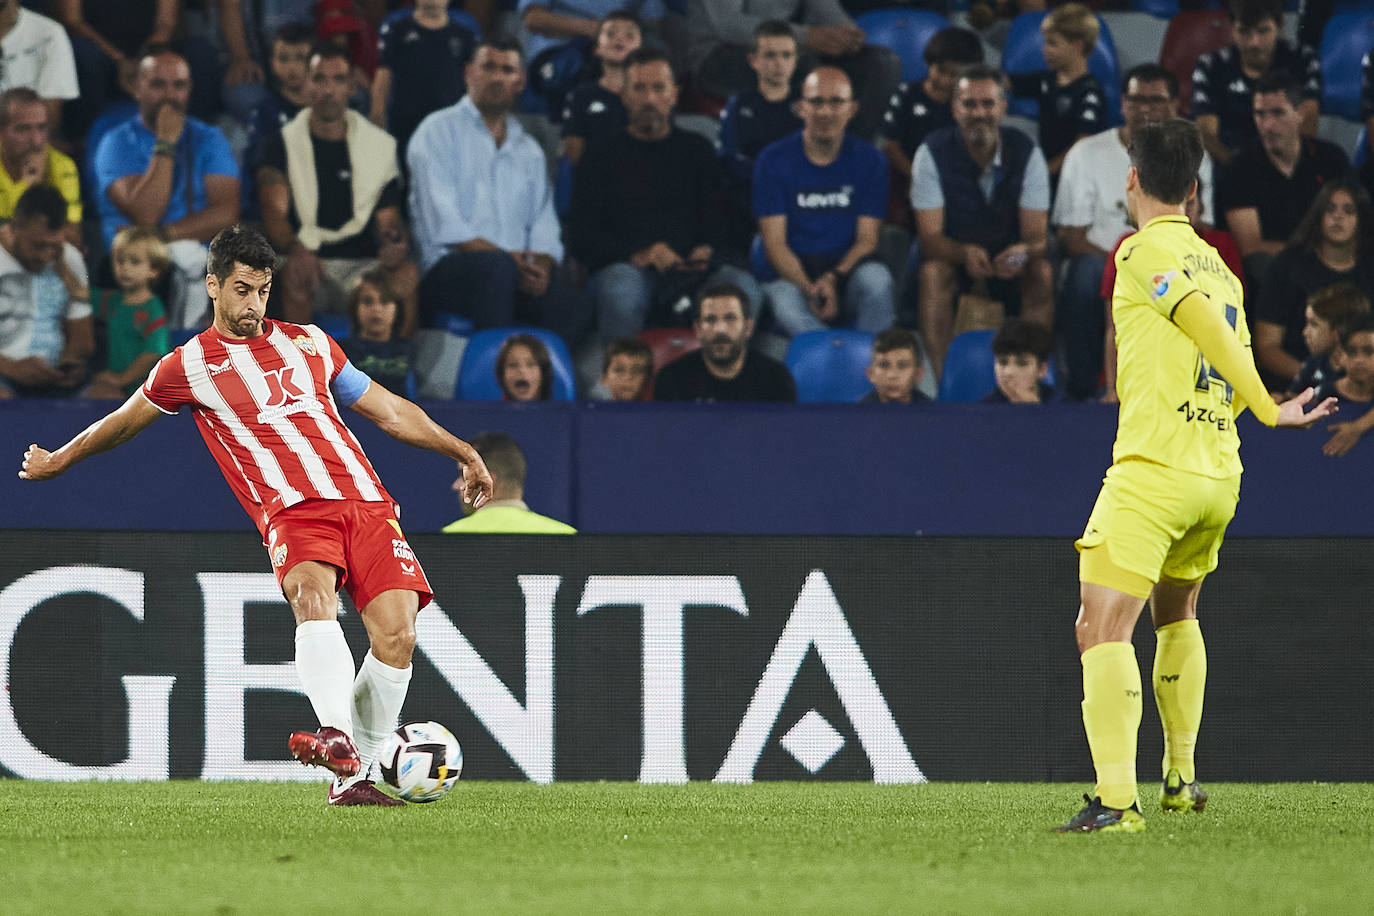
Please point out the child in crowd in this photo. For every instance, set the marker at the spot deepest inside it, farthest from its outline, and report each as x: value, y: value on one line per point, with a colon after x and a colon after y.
x: 757, y: 117
x: 1355, y: 354
x: 1072, y: 103
x: 422, y: 57
x: 374, y: 345
x: 1021, y: 350
x: 286, y: 95
x: 524, y: 370
x: 895, y: 369
x: 626, y: 368
x: 133, y: 317
x: 1328, y: 310
x: 594, y: 109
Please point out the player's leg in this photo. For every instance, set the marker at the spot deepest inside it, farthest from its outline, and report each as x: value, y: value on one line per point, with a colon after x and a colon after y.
x: 1180, y: 677
x: 324, y: 665
x: 383, y: 679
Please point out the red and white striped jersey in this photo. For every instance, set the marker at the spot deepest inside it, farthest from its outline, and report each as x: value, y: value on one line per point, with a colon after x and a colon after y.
x: 266, y: 412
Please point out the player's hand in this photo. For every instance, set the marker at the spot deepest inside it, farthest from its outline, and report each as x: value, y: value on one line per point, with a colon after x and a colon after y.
x: 39, y: 464
x: 1292, y: 417
x: 1344, y: 439
x: 477, y: 483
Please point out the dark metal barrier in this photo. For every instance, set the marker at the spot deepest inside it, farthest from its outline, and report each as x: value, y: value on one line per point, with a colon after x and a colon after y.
x: 148, y: 656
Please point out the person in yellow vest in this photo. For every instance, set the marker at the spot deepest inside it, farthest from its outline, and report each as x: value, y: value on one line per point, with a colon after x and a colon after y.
x: 27, y: 158
x: 505, y: 512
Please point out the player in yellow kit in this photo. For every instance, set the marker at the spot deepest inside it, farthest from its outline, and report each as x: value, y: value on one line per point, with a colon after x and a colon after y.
x: 1185, y: 372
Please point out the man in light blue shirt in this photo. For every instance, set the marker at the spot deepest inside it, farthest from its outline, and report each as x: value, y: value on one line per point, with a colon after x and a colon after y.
x: 483, y: 210
x: 163, y: 168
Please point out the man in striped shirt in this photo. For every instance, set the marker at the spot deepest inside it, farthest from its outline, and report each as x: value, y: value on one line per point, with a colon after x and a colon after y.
x: 266, y: 396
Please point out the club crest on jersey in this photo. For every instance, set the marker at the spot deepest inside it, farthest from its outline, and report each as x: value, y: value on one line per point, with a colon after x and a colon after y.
x: 278, y: 554
x: 1159, y: 284
x: 305, y: 344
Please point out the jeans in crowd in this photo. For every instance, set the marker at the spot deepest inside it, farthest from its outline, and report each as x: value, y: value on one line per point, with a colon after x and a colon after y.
x: 625, y: 294
x: 866, y: 302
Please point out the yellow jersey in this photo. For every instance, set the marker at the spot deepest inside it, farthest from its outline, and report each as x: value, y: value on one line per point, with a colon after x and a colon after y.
x: 61, y: 174
x: 1176, y: 410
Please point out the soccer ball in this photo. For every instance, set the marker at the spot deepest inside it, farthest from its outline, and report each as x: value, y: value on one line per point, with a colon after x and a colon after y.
x: 421, y: 761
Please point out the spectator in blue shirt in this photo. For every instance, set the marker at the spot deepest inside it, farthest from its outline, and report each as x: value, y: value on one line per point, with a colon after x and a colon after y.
x: 482, y: 208
x: 981, y: 193
x: 820, y: 196
x: 163, y: 168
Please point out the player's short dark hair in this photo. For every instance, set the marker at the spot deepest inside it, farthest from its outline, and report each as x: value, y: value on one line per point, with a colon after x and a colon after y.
x: 294, y: 33
x: 503, y: 458
x: 721, y: 291
x: 1166, y: 157
x: 41, y: 201
x: 327, y: 50
x: 897, y: 339
x: 1151, y: 73
x: 1249, y: 13
x: 980, y: 73
x: 771, y: 28
x: 626, y: 346
x: 541, y: 356
x: 1279, y: 81
x: 1017, y: 335
x: 642, y: 55
x: 1360, y: 324
x: 1338, y: 304
x: 379, y: 280
x: 953, y: 45
x: 239, y: 244
x: 502, y: 43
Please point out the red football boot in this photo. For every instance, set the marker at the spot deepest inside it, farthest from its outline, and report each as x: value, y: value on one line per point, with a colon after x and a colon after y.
x: 328, y: 748
x: 362, y: 792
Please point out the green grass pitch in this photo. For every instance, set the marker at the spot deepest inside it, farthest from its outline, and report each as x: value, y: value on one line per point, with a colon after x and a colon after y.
x: 254, y: 848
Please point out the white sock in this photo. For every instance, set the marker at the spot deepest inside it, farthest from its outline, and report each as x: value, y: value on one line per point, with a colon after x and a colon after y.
x: 379, y: 692
x: 324, y: 665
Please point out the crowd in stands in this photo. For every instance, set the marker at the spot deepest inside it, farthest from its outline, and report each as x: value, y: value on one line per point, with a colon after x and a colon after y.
x: 741, y: 176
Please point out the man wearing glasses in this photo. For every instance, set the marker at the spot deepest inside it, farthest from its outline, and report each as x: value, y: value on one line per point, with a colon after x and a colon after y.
x: 1090, y: 215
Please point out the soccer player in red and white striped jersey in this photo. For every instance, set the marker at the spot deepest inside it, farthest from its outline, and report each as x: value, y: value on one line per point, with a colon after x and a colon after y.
x: 266, y: 395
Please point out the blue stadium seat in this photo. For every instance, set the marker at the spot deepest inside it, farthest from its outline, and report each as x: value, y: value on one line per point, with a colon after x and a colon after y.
x: 905, y: 33
x: 968, y: 373
x: 829, y: 365
x: 336, y: 326
x: 1025, y: 53
x: 1164, y: 9
x: 1348, y: 37
x: 477, y: 373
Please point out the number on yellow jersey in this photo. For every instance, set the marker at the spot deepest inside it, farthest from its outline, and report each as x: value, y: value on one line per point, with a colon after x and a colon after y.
x: 1205, y: 372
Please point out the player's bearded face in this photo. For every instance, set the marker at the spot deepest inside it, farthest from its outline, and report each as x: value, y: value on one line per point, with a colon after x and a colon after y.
x: 241, y: 300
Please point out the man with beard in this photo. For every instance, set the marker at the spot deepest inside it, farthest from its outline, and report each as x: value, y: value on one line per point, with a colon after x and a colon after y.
x: 1224, y: 81
x: 266, y: 397
x: 724, y: 369
x: 162, y: 168
x: 1271, y: 182
x: 1090, y: 214
x: 331, y: 199
x: 27, y: 158
x: 647, y: 217
x: 820, y: 196
x: 483, y: 211
x: 981, y: 193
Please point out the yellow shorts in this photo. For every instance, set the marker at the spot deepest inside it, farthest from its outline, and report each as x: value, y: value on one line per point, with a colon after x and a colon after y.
x: 1154, y: 522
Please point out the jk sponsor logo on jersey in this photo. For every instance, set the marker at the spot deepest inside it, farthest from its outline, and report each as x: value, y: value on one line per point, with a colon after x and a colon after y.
x: 285, y: 397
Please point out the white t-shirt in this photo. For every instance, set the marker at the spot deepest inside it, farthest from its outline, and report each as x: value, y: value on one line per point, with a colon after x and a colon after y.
x: 34, y: 306
x: 1092, y: 189
x: 38, y: 55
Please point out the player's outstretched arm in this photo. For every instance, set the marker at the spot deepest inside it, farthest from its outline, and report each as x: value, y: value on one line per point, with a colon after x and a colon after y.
x: 115, y: 428
x: 1197, y: 317
x: 406, y: 422
x: 1291, y: 414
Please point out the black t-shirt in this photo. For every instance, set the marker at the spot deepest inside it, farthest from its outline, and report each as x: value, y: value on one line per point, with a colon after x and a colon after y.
x: 126, y: 24
x: 334, y: 179
x: 426, y: 70
x: 1066, y: 112
x: 593, y: 113
x: 632, y: 193
x: 911, y: 114
x: 1294, y: 275
x: 754, y: 122
x: 1221, y: 88
x: 1251, y: 180
x: 388, y: 363
x: 761, y: 379
x: 1316, y: 373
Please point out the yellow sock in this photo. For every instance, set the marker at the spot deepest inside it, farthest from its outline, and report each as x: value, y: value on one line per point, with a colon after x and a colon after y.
x: 1180, y: 676
x: 1111, y: 717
